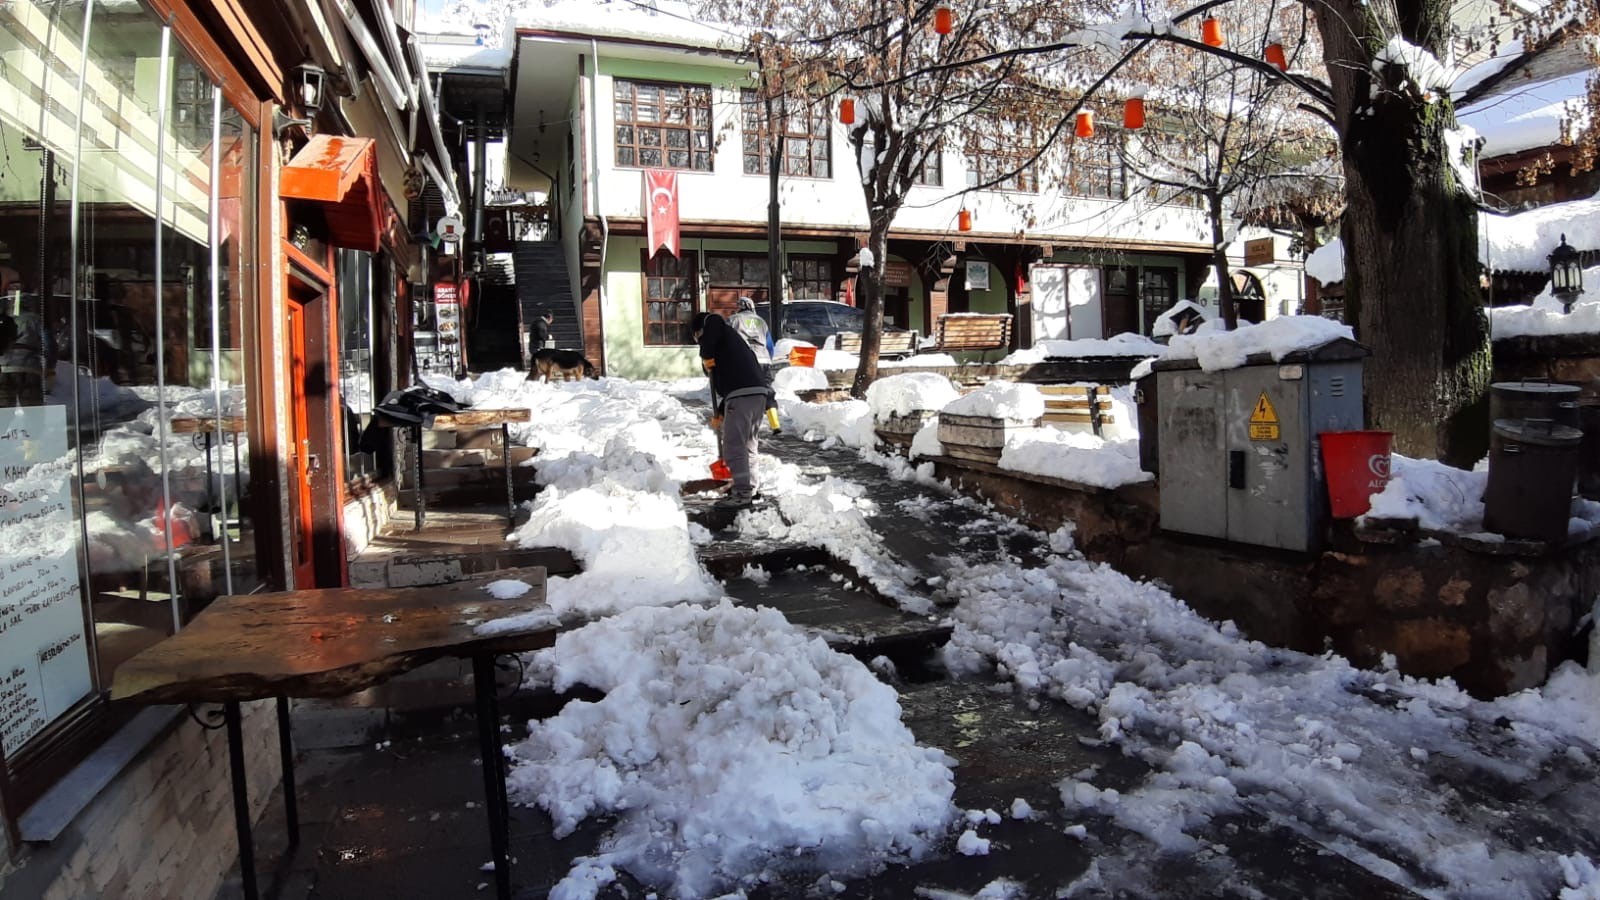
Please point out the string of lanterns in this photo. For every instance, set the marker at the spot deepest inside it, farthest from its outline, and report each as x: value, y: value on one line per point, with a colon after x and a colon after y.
x: 1083, y: 125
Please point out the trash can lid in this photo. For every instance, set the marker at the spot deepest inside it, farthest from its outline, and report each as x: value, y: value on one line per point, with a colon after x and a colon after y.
x: 1544, y: 432
x: 1534, y: 387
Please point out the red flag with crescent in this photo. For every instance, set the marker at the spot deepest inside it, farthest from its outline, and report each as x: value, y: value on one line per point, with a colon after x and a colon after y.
x: 661, y: 205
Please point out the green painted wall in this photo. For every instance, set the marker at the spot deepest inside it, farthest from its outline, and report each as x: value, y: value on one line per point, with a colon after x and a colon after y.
x: 716, y: 76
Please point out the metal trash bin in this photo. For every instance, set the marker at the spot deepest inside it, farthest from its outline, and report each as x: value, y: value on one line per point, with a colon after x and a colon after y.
x: 1533, y: 465
x: 1513, y: 400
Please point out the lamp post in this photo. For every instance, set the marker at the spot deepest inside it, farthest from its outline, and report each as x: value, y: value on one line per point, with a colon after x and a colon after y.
x: 1566, y: 274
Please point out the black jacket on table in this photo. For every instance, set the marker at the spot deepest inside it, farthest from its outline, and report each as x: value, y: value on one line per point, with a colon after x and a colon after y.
x: 735, y: 371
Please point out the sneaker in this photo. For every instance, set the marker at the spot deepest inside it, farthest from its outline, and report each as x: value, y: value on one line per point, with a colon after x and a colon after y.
x: 736, y: 500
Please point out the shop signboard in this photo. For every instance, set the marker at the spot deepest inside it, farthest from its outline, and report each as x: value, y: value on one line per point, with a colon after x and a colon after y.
x: 44, y: 656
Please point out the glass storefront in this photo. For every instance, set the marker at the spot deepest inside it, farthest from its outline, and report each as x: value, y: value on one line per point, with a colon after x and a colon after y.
x: 127, y: 189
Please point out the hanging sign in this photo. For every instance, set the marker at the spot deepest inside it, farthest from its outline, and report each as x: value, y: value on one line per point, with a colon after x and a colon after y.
x: 44, y: 658
x: 1264, y: 420
x: 449, y: 229
x: 896, y: 273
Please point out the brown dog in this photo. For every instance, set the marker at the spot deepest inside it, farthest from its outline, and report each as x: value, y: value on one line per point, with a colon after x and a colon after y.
x: 569, y: 364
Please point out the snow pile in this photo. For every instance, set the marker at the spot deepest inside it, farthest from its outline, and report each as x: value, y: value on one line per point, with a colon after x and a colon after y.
x: 849, y: 421
x: 1422, y: 67
x: 1522, y: 242
x: 1278, y: 337
x: 507, y: 588
x: 920, y: 359
x: 1166, y: 327
x: 1439, y: 497
x: 836, y: 359
x: 793, y: 379
x: 902, y: 395
x: 1310, y: 741
x: 1127, y: 344
x: 728, y: 745
x: 1001, y: 400
x: 1082, y: 458
x: 926, y: 441
x: 1544, y: 316
x: 662, y: 21
x: 1326, y: 263
x: 634, y: 547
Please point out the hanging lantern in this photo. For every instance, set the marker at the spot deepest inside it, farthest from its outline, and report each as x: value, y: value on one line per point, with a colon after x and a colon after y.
x: 847, y: 111
x: 1276, y: 58
x: 1211, y: 32
x: 1085, y: 124
x: 1133, y: 113
x: 943, y: 22
x: 964, y: 220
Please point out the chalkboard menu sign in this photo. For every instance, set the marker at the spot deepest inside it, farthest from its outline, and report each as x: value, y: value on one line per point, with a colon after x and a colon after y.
x: 44, y: 657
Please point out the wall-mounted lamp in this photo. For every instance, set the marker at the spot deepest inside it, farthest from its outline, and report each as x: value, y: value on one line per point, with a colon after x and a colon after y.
x: 1566, y: 274
x: 309, y: 81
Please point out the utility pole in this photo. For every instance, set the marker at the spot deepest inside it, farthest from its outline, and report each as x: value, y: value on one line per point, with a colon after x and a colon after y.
x: 775, y: 296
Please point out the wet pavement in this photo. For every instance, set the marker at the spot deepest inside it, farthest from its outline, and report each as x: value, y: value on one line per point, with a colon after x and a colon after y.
x: 391, y: 791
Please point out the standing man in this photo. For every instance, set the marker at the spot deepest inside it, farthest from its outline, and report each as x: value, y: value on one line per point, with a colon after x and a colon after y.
x: 753, y: 329
x: 739, y: 396
x: 540, y: 338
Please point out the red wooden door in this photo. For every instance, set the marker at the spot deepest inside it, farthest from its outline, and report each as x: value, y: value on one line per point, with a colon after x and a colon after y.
x: 300, y: 458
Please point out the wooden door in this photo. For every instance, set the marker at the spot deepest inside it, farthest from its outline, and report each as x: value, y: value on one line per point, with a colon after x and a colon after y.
x: 301, y: 521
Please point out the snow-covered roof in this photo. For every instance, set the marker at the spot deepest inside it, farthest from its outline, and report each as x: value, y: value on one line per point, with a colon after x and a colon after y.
x: 1529, y: 115
x: 1519, y: 242
x: 656, y: 21
x: 437, y: 55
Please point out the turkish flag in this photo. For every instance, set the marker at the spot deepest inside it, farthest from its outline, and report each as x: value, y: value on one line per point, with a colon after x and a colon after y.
x: 661, y: 206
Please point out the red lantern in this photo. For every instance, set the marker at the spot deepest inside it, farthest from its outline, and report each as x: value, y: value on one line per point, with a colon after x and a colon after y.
x: 943, y: 23
x: 1133, y: 113
x: 1211, y: 32
x: 1276, y: 58
x: 964, y: 220
x: 847, y: 111
x: 1085, y: 124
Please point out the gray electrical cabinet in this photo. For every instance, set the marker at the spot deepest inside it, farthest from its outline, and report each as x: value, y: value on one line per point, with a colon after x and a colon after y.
x: 1240, y: 459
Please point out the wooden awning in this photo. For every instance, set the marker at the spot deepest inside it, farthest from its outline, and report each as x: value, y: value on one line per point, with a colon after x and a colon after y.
x: 341, y: 173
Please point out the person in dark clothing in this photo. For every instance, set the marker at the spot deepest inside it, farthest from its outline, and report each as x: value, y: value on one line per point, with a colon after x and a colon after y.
x: 739, y: 396
x: 540, y: 337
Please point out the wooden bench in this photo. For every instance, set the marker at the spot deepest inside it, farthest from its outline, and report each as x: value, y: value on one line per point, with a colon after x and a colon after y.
x: 969, y: 331
x: 890, y: 343
x: 1077, y: 404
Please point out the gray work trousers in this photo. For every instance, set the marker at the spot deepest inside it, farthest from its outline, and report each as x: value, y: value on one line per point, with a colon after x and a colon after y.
x: 741, y: 417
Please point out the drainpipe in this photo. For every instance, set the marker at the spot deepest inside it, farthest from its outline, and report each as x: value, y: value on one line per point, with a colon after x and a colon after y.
x: 480, y: 156
x: 594, y: 154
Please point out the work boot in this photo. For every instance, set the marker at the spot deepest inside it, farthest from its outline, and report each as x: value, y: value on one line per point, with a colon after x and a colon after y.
x: 736, y: 499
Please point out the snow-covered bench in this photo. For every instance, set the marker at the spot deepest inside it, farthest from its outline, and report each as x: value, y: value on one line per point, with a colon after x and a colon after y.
x: 1077, y: 404
x: 891, y: 343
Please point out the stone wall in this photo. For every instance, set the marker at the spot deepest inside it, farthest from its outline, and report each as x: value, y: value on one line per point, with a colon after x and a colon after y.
x: 163, y: 828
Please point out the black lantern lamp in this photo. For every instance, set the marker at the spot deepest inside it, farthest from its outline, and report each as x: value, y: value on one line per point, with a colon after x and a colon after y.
x: 1566, y: 274
x: 309, y: 81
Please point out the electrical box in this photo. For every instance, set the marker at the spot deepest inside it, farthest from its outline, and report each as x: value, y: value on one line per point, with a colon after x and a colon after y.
x: 1239, y: 455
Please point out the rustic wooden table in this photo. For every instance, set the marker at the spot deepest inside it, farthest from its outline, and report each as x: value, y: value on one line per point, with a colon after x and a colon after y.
x: 469, y: 420
x: 332, y: 642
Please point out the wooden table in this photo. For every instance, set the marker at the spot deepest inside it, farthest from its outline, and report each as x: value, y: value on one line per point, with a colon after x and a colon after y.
x: 469, y: 420
x: 332, y: 642
x: 204, y: 427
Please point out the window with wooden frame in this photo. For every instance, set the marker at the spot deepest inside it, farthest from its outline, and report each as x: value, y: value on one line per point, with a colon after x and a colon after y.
x: 662, y: 125
x: 669, y: 298
x: 989, y: 157
x: 929, y: 174
x: 806, y: 133
x: 811, y: 278
x: 1094, y: 167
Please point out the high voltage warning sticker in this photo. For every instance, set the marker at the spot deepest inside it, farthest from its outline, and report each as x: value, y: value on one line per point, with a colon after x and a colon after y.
x: 1264, y: 420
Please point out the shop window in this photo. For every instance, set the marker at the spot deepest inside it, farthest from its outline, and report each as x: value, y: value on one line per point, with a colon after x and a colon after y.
x: 669, y: 299
x: 662, y: 125
x: 128, y: 375
x: 804, y: 131
x: 811, y: 278
x: 366, y: 283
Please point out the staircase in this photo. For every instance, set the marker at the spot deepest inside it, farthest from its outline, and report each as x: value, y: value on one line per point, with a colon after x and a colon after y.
x: 541, y: 281
x: 492, y: 337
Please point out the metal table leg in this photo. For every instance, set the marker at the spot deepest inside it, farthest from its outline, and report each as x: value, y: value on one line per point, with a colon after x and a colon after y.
x: 241, y: 799
x: 511, y: 495
x: 422, y: 498
x: 291, y: 811
x: 494, y: 778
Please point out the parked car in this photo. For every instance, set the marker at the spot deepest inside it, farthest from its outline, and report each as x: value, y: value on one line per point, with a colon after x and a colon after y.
x: 815, y: 321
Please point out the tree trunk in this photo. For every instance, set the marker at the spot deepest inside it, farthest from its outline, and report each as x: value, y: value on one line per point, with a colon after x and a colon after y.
x: 1410, y: 241
x: 1219, y: 261
x: 870, y: 295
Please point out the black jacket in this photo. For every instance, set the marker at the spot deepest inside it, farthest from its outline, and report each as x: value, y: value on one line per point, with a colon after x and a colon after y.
x: 735, y: 371
x: 540, y: 333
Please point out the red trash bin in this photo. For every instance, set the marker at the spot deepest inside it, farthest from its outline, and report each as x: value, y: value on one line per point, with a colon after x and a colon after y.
x: 1357, y: 465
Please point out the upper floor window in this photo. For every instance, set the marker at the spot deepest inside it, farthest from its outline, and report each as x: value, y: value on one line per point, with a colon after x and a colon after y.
x: 989, y: 158
x: 805, y: 132
x: 661, y: 125
x: 1094, y: 167
x: 929, y: 174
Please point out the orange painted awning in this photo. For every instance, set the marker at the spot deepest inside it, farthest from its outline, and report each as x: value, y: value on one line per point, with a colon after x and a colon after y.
x: 340, y: 172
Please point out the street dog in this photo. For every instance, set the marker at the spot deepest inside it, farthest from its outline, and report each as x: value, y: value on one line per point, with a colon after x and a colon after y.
x: 569, y: 364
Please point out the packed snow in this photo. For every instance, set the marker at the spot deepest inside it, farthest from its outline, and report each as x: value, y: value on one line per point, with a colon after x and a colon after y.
x: 1120, y: 345
x: 1529, y: 115
x: 1544, y: 317
x: 1217, y: 350
x: 902, y: 395
x: 1000, y: 400
x: 728, y: 745
x: 1082, y: 458
x: 1439, y: 497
